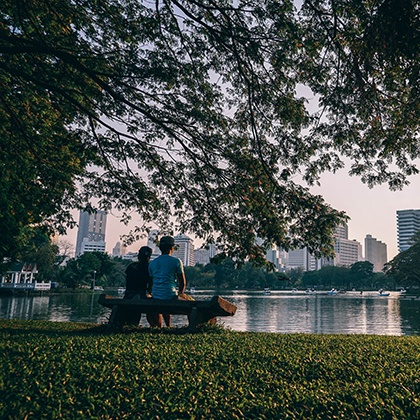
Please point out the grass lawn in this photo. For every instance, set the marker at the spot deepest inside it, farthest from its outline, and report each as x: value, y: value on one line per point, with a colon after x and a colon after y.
x: 72, y: 370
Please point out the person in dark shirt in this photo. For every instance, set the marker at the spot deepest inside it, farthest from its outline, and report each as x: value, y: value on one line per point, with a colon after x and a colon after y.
x: 138, y: 283
x: 137, y: 277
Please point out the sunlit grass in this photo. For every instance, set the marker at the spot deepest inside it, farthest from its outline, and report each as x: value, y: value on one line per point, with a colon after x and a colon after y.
x: 74, y: 370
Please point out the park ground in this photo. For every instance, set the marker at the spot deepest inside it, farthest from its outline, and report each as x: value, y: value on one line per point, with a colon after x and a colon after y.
x: 74, y: 370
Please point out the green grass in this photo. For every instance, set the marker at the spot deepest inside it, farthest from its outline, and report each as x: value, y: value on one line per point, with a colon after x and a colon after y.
x: 73, y: 370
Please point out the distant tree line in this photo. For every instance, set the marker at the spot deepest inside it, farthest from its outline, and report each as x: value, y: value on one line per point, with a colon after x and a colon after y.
x: 107, y: 271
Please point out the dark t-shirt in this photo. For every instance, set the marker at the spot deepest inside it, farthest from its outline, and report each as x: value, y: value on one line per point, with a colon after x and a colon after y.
x: 138, y: 279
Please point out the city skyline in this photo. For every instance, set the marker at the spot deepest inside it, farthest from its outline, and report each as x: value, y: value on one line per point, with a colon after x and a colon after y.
x: 372, y: 211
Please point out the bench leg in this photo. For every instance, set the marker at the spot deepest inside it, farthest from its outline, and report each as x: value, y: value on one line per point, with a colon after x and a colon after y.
x: 113, y: 316
x: 193, y: 320
x: 196, y: 318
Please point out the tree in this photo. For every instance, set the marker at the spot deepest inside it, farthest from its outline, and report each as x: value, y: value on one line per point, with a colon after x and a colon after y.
x: 39, y: 249
x: 295, y: 275
x: 187, y: 110
x: 90, y: 265
x: 405, y: 266
x: 311, y: 279
x: 361, y: 273
x: 226, y: 274
x: 66, y: 248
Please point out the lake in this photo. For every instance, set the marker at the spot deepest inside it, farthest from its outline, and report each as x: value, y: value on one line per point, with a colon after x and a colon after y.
x: 280, y: 312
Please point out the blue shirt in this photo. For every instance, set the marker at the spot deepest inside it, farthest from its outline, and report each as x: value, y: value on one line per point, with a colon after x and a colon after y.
x: 164, y: 271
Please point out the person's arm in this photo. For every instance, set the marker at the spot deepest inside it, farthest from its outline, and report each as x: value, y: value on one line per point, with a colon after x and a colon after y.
x: 149, y: 285
x: 182, y: 282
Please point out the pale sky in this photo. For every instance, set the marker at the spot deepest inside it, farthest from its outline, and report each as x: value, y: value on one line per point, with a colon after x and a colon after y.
x: 372, y: 211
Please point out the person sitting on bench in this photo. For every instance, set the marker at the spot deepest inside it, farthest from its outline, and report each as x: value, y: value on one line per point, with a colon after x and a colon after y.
x: 139, y: 282
x: 137, y: 277
x: 168, y: 278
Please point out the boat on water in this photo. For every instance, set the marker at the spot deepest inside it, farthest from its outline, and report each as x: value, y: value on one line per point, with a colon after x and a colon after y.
x: 332, y: 292
x: 267, y: 291
x: 383, y: 293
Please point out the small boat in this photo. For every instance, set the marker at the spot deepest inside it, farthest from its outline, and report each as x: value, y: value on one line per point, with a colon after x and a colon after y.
x: 98, y: 289
x: 383, y: 293
x: 267, y: 291
x: 332, y: 292
x: 121, y: 290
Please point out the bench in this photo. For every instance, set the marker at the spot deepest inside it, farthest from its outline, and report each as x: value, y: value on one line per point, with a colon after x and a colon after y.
x: 128, y: 311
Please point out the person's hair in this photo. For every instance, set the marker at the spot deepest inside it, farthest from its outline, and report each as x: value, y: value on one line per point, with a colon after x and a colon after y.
x: 144, y: 253
x: 165, y: 248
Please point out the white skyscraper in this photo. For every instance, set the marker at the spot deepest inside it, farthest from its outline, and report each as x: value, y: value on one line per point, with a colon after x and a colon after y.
x: 408, y: 223
x: 342, y: 231
x: 347, y: 251
x: 302, y: 258
x: 184, y: 249
x: 375, y: 252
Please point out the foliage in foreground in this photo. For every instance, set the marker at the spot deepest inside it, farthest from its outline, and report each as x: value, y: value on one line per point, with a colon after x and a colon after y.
x: 51, y: 370
x: 194, y: 111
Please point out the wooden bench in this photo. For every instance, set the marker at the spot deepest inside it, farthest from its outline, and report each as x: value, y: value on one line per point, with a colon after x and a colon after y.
x: 128, y: 311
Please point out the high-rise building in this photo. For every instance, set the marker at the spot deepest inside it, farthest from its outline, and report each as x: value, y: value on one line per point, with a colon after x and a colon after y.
x: 205, y: 254
x: 184, y: 249
x: 408, y: 223
x: 152, y: 241
x: 91, y: 232
x: 201, y: 256
x: 342, y: 231
x: 302, y: 258
x: 347, y: 252
x: 375, y: 252
x: 119, y: 250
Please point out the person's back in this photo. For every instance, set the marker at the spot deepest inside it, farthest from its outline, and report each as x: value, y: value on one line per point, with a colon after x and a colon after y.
x: 164, y: 271
x: 168, y: 277
x: 137, y: 277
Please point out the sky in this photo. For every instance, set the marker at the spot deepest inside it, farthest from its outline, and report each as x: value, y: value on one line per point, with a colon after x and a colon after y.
x: 372, y: 211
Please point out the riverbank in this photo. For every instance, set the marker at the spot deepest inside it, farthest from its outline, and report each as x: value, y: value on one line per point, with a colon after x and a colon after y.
x: 76, y: 370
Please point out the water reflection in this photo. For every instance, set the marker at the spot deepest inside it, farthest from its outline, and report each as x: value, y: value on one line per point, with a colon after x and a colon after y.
x: 277, y: 312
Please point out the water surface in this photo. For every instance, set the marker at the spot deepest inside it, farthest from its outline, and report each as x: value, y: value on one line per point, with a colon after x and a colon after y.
x: 281, y: 312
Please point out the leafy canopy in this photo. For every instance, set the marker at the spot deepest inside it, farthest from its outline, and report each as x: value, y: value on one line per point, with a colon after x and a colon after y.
x: 405, y: 267
x: 188, y: 111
